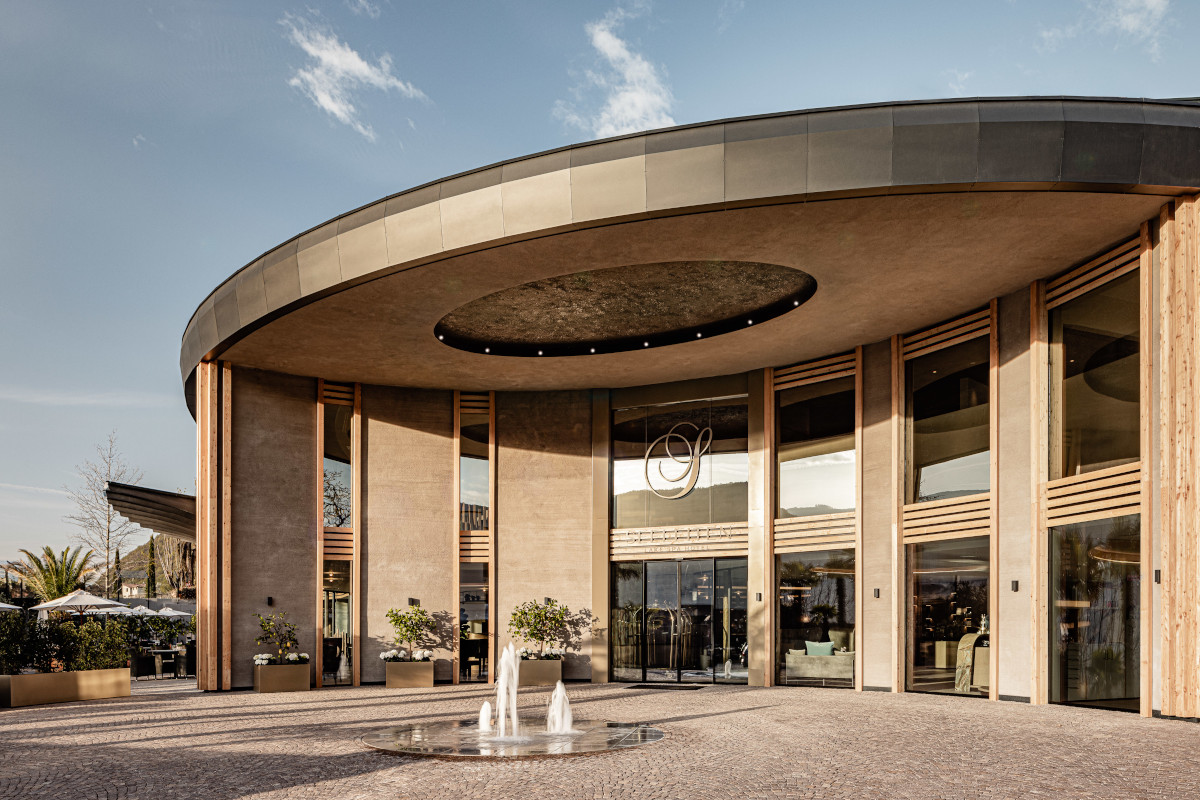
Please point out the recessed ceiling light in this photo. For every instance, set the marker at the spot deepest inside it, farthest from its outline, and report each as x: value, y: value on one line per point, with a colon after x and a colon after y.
x: 749, y: 322
x: 539, y: 352
x: 795, y: 302
x: 593, y: 349
x: 487, y: 349
x: 698, y: 335
x: 645, y: 344
x: 440, y: 337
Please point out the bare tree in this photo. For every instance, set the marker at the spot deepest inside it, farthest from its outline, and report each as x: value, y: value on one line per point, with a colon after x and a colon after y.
x: 337, y: 500
x: 177, y: 562
x: 101, y: 528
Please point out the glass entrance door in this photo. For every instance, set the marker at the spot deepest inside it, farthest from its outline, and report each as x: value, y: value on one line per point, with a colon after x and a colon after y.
x: 336, y: 610
x: 680, y: 621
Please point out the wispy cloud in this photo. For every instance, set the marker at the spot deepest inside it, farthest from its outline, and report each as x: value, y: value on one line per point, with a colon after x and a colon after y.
x: 636, y: 96
x: 138, y: 141
x: 81, y: 398
x: 18, y: 496
x: 335, y: 73
x: 20, y: 487
x: 1139, y: 21
x: 958, y: 81
x: 726, y: 13
x: 364, y: 8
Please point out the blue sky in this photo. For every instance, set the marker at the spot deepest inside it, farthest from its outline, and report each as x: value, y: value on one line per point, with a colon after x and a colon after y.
x: 148, y: 150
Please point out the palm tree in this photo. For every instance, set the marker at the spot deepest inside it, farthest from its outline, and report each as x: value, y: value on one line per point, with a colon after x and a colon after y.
x: 52, y: 575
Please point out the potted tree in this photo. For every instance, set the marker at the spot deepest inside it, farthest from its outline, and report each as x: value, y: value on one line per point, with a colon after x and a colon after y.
x: 410, y: 668
x: 282, y: 669
x: 544, y: 625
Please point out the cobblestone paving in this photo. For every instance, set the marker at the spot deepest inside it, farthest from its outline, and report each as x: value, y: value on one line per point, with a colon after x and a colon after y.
x: 722, y: 742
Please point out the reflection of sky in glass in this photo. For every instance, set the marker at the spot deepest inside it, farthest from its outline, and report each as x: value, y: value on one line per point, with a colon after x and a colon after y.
x: 958, y: 476
x: 629, y: 475
x: 473, y: 481
x: 824, y: 480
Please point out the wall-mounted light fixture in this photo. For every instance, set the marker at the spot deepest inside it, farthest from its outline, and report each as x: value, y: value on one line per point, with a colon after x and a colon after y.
x: 1158, y: 576
x: 1016, y: 585
x: 412, y: 601
x: 270, y: 601
x: 758, y: 596
x: 876, y: 594
x: 549, y: 601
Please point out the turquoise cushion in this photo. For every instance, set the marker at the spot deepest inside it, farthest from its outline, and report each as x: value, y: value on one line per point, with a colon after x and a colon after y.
x: 819, y: 648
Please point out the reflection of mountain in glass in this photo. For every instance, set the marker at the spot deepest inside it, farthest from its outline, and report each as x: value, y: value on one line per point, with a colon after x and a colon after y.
x: 725, y: 502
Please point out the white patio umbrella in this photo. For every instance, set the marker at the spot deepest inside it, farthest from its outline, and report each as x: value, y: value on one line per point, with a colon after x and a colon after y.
x: 7, y: 607
x: 115, y: 611
x: 78, y: 601
x: 167, y: 611
x: 142, y: 611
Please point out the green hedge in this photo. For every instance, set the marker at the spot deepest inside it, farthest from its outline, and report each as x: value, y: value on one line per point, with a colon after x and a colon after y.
x: 63, y: 643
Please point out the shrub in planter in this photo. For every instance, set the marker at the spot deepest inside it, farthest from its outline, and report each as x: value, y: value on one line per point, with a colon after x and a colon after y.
x: 280, y: 670
x: 412, y: 666
x: 543, y: 624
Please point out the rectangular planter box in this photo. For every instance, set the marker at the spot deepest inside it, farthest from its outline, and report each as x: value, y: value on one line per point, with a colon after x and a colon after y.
x: 63, y: 687
x: 540, y: 673
x: 282, y: 678
x: 409, y: 674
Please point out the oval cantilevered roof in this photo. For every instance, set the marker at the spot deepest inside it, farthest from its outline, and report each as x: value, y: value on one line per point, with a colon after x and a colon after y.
x: 379, y: 278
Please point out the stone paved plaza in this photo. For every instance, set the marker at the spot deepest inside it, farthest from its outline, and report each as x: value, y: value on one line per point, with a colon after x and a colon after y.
x: 722, y: 742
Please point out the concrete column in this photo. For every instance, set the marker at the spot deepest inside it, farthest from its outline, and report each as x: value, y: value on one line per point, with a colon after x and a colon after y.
x: 1013, y: 506
x: 601, y: 500
x: 875, y: 560
x: 758, y: 567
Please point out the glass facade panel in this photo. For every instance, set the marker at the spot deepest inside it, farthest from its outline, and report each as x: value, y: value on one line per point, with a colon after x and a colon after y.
x: 1094, y: 379
x: 948, y: 622
x: 949, y: 422
x: 473, y: 472
x: 473, y: 621
x: 336, y: 610
x: 815, y: 444
x: 731, y: 657
x: 815, y: 603
x: 679, y: 621
x: 336, y: 465
x: 627, y: 639
x: 680, y: 464
x: 1095, y: 607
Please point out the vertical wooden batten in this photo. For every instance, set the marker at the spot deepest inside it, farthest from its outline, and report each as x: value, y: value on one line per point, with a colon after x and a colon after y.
x: 493, y: 550
x: 226, y: 526
x: 456, y: 499
x: 1146, y: 399
x: 994, y: 485
x: 1039, y: 472
x: 319, y: 632
x: 356, y: 600
x: 601, y: 526
x: 208, y: 528
x: 859, y: 593
x: 899, y: 593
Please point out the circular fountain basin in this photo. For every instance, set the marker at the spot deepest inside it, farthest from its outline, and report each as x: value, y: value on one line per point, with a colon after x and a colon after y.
x: 462, y: 739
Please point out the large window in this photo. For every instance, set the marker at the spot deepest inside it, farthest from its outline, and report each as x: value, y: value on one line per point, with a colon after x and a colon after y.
x: 1094, y: 379
x: 337, y: 605
x: 475, y: 545
x: 474, y: 471
x: 948, y: 619
x: 815, y: 634
x: 815, y: 445
x: 338, y: 479
x: 1095, y: 579
x: 680, y: 464
x: 948, y: 430
x: 680, y: 621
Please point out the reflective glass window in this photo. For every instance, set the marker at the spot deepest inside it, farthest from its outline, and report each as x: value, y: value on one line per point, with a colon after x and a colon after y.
x: 949, y: 422
x: 473, y: 621
x: 815, y: 604
x: 949, y: 628
x: 1095, y: 610
x: 336, y: 610
x: 1095, y: 379
x: 473, y: 472
x: 338, y: 499
x: 680, y: 464
x: 815, y: 445
x: 627, y: 619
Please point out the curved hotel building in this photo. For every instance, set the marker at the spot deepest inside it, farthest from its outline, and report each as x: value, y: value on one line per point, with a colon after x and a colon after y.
x: 897, y: 397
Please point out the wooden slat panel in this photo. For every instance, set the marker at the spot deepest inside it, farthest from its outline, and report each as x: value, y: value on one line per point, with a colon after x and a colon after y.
x: 1061, y: 488
x: 1083, y: 279
x: 809, y: 547
x: 981, y: 497
x: 947, y: 330
x: 806, y: 368
x: 1146, y: 399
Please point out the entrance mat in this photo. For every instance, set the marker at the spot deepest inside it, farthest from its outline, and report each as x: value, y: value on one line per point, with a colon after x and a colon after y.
x: 674, y: 687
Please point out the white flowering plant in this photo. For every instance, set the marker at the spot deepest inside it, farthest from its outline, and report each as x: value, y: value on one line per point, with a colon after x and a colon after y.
x: 296, y: 658
x: 263, y: 659
x: 549, y: 654
x: 394, y: 655
x: 422, y: 655
x: 413, y: 626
